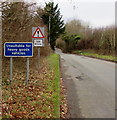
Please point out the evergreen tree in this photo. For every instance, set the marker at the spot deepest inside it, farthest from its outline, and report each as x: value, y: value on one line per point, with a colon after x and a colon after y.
x: 56, y: 23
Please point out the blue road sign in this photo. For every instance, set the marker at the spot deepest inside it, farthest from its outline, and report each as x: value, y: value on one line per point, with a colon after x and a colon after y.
x: 18, y: 49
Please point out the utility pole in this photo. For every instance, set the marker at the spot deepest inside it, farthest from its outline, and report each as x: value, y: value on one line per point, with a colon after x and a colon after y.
x: 49, y: 29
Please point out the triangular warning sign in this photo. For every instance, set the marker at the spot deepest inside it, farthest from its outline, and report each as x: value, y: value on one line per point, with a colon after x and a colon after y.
x: 38, y: 34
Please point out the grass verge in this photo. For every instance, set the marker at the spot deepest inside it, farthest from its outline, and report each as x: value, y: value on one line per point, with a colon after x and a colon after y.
x: 95, y: 55
x: 40, y: 99
x: 54, y: 65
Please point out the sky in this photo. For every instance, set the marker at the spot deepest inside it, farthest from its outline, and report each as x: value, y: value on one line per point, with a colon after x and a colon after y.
x: 97, y: 13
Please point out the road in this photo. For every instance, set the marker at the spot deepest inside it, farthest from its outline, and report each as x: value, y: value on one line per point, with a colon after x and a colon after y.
x: 90, y: 86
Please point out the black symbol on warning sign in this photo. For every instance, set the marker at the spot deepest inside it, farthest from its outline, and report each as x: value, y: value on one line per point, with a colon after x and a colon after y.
x: 38, y: 34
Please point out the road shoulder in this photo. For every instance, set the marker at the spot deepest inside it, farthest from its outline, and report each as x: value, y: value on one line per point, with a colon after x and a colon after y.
x: 70, y: 93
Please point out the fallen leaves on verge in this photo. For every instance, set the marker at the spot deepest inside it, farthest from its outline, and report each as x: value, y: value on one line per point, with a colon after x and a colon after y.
x: 32, y: 101
x: 64, y: 112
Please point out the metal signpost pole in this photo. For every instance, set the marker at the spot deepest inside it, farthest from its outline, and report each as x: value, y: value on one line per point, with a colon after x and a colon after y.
x: 11, y: 68
x: 27, y: 71
x: 39, y: 55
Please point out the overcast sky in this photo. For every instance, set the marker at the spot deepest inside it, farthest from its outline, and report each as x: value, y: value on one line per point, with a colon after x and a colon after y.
x: 98, y: 13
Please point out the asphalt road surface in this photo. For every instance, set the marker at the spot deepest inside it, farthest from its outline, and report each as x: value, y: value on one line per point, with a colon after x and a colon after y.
x: 90, y: 86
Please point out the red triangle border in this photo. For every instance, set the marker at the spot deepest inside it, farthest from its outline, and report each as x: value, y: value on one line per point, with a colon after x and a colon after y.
x: 40, y: 32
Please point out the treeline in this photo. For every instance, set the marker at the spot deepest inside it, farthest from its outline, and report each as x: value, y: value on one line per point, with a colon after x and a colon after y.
x: 79, y: 36
x: 18, y: 18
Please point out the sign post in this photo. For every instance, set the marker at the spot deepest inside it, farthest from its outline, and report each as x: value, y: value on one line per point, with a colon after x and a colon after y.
x: 39, y: 55
x: 38, y: 38
x: 27, y: 71
x: 11, y: 68
x: 18, y: 49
